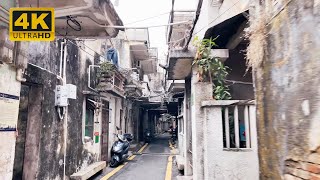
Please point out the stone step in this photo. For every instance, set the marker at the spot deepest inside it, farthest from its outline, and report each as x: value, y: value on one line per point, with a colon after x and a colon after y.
x: 184, y: 178
x: 89, y: 171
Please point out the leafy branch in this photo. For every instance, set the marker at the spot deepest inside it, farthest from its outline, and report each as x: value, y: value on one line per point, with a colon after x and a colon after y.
x: 211, y: 68
x: 106, y: 68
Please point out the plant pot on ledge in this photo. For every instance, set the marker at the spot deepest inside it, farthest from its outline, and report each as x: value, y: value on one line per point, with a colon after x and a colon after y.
x: 211, y: 69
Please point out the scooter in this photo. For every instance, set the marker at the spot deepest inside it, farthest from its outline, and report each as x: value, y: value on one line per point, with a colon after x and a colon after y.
x: 173, y: 136
x: 147, y: 136
x: 120, y: 149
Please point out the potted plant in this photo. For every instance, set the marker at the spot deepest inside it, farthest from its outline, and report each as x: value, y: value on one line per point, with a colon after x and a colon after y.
x: 211, y: 69
x: 105, y: 74
x: 106, y: 69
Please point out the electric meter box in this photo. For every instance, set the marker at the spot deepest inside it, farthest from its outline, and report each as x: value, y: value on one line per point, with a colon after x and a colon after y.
x: 61, y: 96
x: 72, y: 91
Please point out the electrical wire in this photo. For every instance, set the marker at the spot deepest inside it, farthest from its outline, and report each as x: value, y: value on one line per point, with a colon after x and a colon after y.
x: 147, y: 18
x: 4, y: 19
x: 4, y: 10
x: 75, y: 22
x: 275, y: 15
x: 239, y: 82
x: 82, y: 48
x: 120, y: 69
x: 216, y: 18
x: 235, y: 4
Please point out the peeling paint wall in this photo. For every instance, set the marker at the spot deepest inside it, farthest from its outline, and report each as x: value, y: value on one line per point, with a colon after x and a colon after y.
x: 9, y: 116
x: 8, y: 107
x: 45, y: 57
x: 287, y: 90
x: 225, y: 164
x: 42, y: 70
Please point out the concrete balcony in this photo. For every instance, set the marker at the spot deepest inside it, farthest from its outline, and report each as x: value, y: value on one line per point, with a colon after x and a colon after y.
x: 133, y: 88
x: 133, y: 91
x: 81, y: 18
x: 177, y: 34
x: 180, y: 62
x: 112, y: 82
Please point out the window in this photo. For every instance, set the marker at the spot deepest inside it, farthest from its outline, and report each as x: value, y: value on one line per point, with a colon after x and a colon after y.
x: 89, y: 119
x: 236, y: 127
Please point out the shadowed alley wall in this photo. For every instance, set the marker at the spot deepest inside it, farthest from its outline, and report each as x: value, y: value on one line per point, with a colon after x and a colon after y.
x: 42, y: 70
x: 287, y: 90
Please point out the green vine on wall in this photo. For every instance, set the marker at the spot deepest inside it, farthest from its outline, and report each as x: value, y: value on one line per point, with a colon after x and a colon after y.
x: 211, y: 68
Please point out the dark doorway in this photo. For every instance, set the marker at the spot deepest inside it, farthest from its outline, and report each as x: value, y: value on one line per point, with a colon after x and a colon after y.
x: 104, y: 131
x: 29, y: 122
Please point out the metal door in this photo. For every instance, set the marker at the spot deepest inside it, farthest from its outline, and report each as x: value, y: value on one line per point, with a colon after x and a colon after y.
x: 104, y: 131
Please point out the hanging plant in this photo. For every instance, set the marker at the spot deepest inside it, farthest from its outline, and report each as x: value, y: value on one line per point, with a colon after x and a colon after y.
x: 106, y: 69
x: 211, y: 69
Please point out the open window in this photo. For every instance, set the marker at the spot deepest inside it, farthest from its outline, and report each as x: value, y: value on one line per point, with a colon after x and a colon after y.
x: 89, y: 120
x: 236, y: 127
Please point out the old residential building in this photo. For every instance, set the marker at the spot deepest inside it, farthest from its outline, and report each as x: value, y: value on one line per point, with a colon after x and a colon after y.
x: 217, y: 138
x: 48, y: 138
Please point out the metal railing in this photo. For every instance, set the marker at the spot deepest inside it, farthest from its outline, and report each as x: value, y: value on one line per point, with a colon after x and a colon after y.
x: 236, y: 123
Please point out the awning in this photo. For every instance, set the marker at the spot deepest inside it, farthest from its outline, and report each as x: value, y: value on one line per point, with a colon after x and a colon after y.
x: 226, y: 30
x: 81, y: 18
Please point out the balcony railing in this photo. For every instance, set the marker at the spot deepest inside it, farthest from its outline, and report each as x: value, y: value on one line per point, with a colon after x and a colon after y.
x: 112, y: 82
x: 237, y: 122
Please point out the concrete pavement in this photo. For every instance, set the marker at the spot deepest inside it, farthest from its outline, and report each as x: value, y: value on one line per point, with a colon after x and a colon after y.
x: 151, y: 164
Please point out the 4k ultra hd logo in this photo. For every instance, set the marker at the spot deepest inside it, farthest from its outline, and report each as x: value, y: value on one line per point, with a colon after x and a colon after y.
x: 32, y: 24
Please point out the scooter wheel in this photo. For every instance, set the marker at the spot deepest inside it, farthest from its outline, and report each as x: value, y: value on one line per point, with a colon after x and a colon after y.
x: 113, y: 162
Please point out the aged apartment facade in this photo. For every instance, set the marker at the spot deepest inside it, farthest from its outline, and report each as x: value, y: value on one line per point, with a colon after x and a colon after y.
x: 217, y: 139
x: 59, y: 106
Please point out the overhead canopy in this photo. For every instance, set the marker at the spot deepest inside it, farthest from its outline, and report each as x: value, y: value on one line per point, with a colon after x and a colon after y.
x: 226, y: 30
x: 139, y: 51
x: 81, y: 18
x: 180, y: 64
x: 176, y: 87
x: 147, y: 57
x: 176, y: 34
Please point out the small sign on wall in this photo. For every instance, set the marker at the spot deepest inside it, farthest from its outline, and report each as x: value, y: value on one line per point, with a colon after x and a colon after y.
x: 9, y: 105
x: 96, y: 137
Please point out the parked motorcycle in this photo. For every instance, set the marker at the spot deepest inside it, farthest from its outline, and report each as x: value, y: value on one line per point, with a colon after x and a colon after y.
x: 147, y: 136
x: 120, y: 149
x: 173, y: 135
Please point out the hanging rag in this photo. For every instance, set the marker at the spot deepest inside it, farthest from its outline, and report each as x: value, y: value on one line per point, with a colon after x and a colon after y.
x: 112, y: 55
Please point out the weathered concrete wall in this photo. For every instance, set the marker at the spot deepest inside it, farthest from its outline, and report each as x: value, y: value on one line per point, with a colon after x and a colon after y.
x: 7, y: 154
x: 199, y: 91
x: 8, y: 107
x: 287, y: 91
x: 225, y: 164
x: 9, y: 115
x: 45, y: 57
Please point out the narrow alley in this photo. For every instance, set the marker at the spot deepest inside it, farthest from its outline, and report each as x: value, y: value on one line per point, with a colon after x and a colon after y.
x: 159, y: 89
x: 151, y: 163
